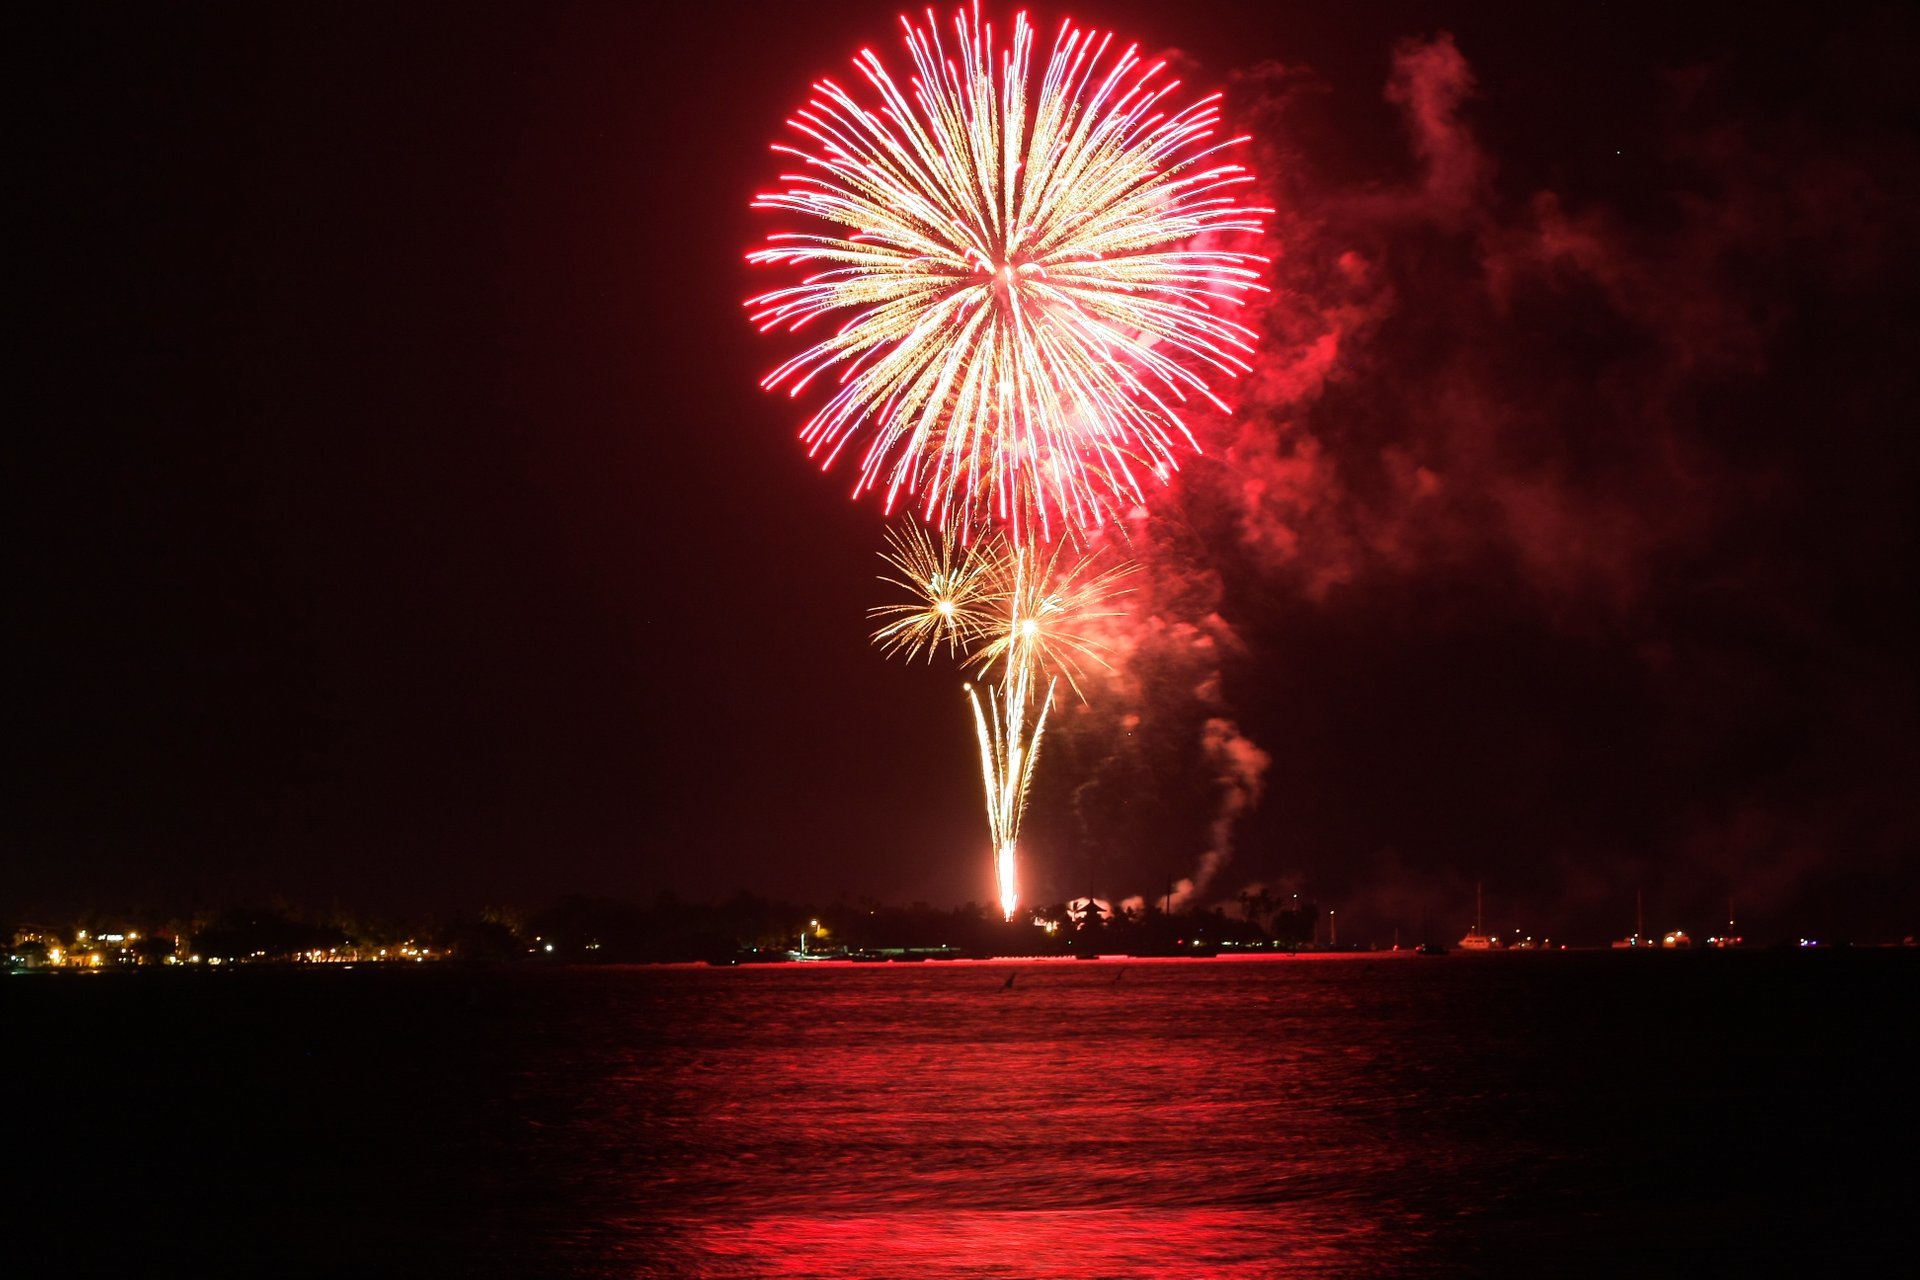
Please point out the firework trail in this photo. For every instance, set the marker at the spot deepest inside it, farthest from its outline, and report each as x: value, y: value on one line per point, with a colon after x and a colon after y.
x: 1008, y: 754
x: 1021, y: 306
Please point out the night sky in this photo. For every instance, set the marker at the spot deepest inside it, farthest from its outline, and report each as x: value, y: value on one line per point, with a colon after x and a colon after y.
x: 402, y: 525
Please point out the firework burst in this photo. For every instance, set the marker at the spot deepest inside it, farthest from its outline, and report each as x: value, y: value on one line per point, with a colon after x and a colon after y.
x: 951, y: 590
x: 994, y: 603
x: 1018, y: 271
x: 1047, y: 600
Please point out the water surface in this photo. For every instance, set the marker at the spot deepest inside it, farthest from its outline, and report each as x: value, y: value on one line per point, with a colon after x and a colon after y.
x: 1363, y: 1116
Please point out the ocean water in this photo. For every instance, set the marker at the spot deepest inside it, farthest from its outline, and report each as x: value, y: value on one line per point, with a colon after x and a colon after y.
x: 1352, y: 1116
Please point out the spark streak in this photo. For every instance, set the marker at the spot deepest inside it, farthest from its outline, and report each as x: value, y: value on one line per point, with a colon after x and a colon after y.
x: 1008, y: 753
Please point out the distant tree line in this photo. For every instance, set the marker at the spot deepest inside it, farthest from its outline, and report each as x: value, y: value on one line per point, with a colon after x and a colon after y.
x: 581, y: 929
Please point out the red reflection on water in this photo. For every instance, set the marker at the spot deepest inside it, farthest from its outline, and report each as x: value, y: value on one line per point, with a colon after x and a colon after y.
x: 1223, y: 1244
x: 1025, y: 1122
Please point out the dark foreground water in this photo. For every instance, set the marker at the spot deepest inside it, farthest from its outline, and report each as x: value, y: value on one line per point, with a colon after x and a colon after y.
x: 1393, y: 1116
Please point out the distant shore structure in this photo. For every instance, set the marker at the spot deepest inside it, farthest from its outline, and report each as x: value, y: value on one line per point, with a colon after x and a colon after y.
x: 1639, y: 937
x: 1477, y: 938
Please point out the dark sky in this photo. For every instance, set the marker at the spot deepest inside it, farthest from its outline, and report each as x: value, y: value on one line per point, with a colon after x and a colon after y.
x: 402, y: 525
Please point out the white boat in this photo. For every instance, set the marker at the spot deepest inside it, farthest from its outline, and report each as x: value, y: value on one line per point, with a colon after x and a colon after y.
x: 1476, y: 939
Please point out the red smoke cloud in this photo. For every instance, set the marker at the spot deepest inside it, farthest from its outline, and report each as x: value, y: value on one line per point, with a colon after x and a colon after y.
x: 1450, y: 369
x: 1486, y: 409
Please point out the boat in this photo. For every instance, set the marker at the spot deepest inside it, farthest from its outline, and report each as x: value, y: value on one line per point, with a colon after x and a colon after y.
x: 1639, y: 938
x: 1476, y: 939
x: 813, y: 927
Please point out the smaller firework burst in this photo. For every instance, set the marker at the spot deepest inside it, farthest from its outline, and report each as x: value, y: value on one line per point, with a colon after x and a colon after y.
x: 1049, y: 599
x: 991, y: 603
x: 952, y: 592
